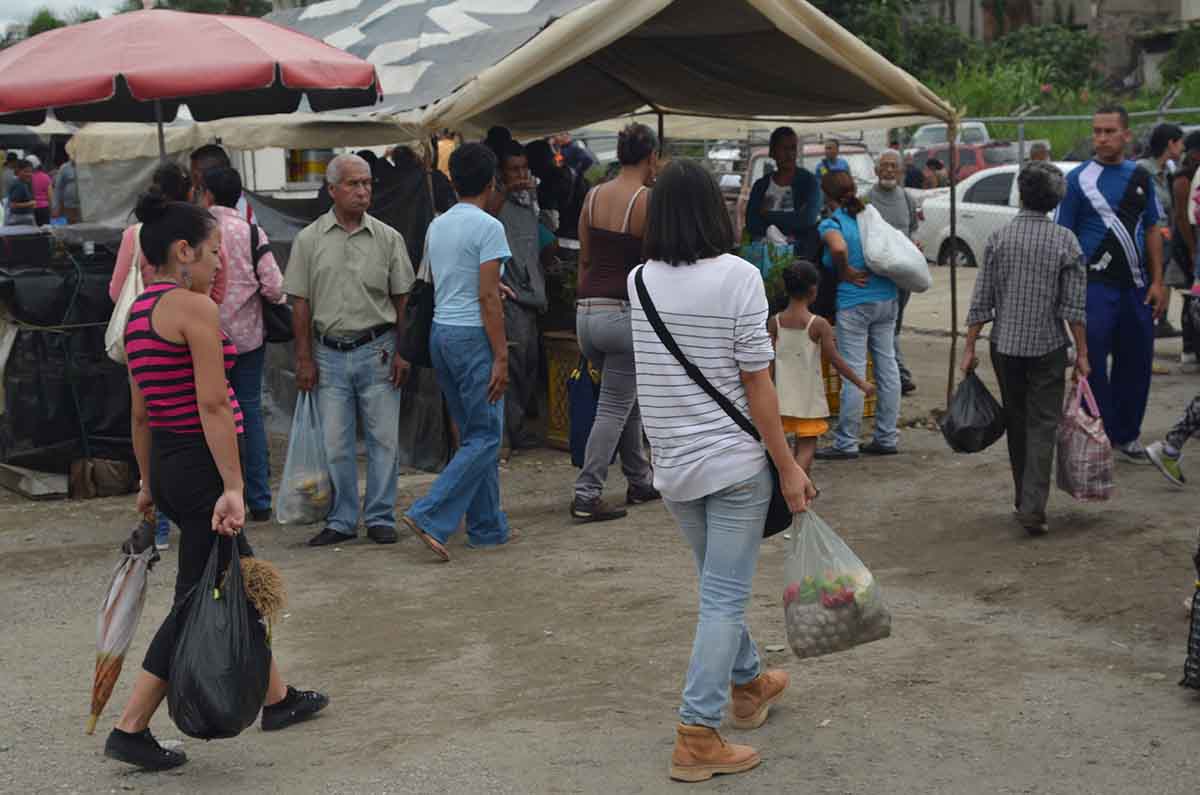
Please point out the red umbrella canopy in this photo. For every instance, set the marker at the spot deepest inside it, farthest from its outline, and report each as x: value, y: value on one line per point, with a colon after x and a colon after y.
x: 115, y: 69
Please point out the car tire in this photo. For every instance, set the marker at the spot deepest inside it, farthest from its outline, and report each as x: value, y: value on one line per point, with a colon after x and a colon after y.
x: 966, y: 258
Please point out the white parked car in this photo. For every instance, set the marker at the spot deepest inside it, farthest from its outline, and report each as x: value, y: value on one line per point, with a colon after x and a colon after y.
x: 987, y: 200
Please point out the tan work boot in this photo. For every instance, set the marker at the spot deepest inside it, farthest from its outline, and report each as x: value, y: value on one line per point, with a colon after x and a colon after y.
x: 752, y: 700
x: 700, y: 753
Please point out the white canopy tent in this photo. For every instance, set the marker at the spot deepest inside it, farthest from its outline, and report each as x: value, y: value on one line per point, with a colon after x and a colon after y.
x: 707, y: 127
x: 104, y: 142
x: 731, y: 59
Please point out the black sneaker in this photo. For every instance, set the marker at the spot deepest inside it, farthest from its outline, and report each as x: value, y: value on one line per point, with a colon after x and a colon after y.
x: 382, y: 534
x: 834, y: 454
x: 329, y: 536
x: 594, y: 511
x: 640, y: 495
x: 142, y: 750
x: 1164, y: 330
x: 874, y: 448
x: 296, y: 706
x: 907, y: 387
x: 260, y: 515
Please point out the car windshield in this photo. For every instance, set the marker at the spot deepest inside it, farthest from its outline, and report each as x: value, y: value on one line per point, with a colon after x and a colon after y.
x: 972, y: 135
x: 927, y: 136
x: 999, y: 155
x: 862, y: 166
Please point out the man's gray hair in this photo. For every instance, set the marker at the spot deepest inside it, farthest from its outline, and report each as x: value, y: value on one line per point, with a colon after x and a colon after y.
x: 889, y: 153
x: 1041, y: 186
x: 334, y: 171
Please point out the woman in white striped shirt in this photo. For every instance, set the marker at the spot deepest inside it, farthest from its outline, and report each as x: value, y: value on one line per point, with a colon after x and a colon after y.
x: 712, y: 474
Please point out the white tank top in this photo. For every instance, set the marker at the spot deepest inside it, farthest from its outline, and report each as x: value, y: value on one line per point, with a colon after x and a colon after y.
x: 798, y: 374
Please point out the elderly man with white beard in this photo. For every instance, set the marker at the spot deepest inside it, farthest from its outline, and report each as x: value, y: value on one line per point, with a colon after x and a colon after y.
x: 899, y: 209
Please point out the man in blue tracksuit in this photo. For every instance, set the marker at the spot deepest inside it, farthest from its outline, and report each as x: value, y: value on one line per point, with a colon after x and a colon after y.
x: 1112, y: 207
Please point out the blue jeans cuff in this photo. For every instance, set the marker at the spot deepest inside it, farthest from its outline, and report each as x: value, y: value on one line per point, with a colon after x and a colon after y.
x: 691, y: 719
x: 493, y: 539
x: 421, y: 521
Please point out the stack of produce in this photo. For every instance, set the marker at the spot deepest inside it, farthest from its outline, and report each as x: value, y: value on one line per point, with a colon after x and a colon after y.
x: 834, y: 612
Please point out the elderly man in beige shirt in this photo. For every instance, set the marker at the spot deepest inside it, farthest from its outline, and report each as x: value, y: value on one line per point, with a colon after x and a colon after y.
x: 349, y: 277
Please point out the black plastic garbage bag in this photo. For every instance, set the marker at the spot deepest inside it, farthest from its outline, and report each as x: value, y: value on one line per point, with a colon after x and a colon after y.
x: 975, y: 420
x: 222, y: 660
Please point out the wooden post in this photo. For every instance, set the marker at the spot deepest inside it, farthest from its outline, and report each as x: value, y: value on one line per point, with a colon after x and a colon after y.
x: 952, y: 136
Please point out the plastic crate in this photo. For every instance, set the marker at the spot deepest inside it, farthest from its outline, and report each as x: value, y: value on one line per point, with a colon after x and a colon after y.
x: 562, y: 357
x: 833, y: 387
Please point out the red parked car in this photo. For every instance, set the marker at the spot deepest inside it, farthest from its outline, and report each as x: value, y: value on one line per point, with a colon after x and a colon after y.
x: 972, y: 158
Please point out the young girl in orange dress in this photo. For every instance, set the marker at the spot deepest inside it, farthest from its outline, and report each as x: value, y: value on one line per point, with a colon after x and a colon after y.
x: 801, y: 338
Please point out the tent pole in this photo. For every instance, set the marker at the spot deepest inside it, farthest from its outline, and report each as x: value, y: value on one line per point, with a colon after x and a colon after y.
x: 952, y: 136
x: 158, y: 118
x: 662, y: 141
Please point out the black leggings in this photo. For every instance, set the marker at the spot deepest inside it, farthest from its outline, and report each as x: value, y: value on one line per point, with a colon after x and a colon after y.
x: 186, y: 485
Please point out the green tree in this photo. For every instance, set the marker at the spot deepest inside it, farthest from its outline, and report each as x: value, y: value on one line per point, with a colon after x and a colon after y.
x: 1068, y: 56
x: 935, y: 49
x: 879, y: 23
x: 81, y: 14
x: 1184, y: 57
x: 43, y: 21
x: 243, y: 8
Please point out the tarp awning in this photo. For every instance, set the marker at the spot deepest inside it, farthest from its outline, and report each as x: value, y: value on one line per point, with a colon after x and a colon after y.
x: 537, y: 66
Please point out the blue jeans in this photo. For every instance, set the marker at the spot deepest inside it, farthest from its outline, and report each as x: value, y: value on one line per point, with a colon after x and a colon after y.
x: 470, y: 483
x: 1121, y: 324
x: 354, y: 383
x: 869, y: 326
x: 725, y: 531
x: 246, y: 378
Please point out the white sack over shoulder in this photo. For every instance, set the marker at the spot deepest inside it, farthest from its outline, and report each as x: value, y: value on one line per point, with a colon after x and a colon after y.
x: 890, y: 253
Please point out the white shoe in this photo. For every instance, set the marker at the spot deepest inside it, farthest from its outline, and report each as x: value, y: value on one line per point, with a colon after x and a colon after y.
x: 1187, y: 358
x: 1168, y: 466
x: 1132, y: 452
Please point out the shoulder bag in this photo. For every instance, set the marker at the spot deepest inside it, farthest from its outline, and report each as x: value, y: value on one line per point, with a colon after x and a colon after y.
x: 779, y: 515
x: 114, y: 334
x: 277, y: 318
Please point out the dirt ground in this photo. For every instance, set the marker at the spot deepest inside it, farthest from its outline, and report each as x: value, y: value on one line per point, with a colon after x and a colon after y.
x: 555, y: 665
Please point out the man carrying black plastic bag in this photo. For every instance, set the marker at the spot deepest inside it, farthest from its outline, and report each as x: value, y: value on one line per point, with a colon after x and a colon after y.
x: 1032, y: 282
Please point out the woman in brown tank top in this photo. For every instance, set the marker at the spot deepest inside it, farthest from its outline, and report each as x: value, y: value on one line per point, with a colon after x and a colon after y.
x: 610, y: 238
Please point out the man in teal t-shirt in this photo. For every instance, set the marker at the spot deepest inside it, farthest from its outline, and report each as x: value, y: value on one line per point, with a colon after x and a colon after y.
x: 866, y: 320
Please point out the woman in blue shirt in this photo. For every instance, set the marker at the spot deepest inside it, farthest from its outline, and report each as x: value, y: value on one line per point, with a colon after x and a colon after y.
x: 789, y: 198
x: 866, y: 319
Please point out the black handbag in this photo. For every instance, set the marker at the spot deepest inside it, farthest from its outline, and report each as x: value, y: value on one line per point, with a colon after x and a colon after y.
x: 277, y: 318
x: 779, y: 515
x: 418, y: 317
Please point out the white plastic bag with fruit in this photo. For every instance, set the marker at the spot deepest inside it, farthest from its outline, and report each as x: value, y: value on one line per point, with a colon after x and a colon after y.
x: 306, y: 493
x: 832, y: 601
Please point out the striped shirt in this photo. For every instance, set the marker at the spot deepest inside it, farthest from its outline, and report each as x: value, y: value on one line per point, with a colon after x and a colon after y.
x: 164, y: 371
x: 716, y: 309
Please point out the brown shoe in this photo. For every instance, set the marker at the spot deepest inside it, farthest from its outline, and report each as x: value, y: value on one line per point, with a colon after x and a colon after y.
x: 752, y: 700
x: 701, y: 753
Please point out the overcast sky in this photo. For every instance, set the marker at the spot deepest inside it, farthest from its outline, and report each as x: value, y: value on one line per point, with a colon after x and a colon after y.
x: 21, y: 10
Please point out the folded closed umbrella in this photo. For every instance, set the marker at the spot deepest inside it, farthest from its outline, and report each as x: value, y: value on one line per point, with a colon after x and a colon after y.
x: 119, y: 614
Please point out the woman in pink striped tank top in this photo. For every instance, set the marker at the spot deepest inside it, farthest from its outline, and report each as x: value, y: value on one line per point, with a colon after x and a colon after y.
x: 186, y: 430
